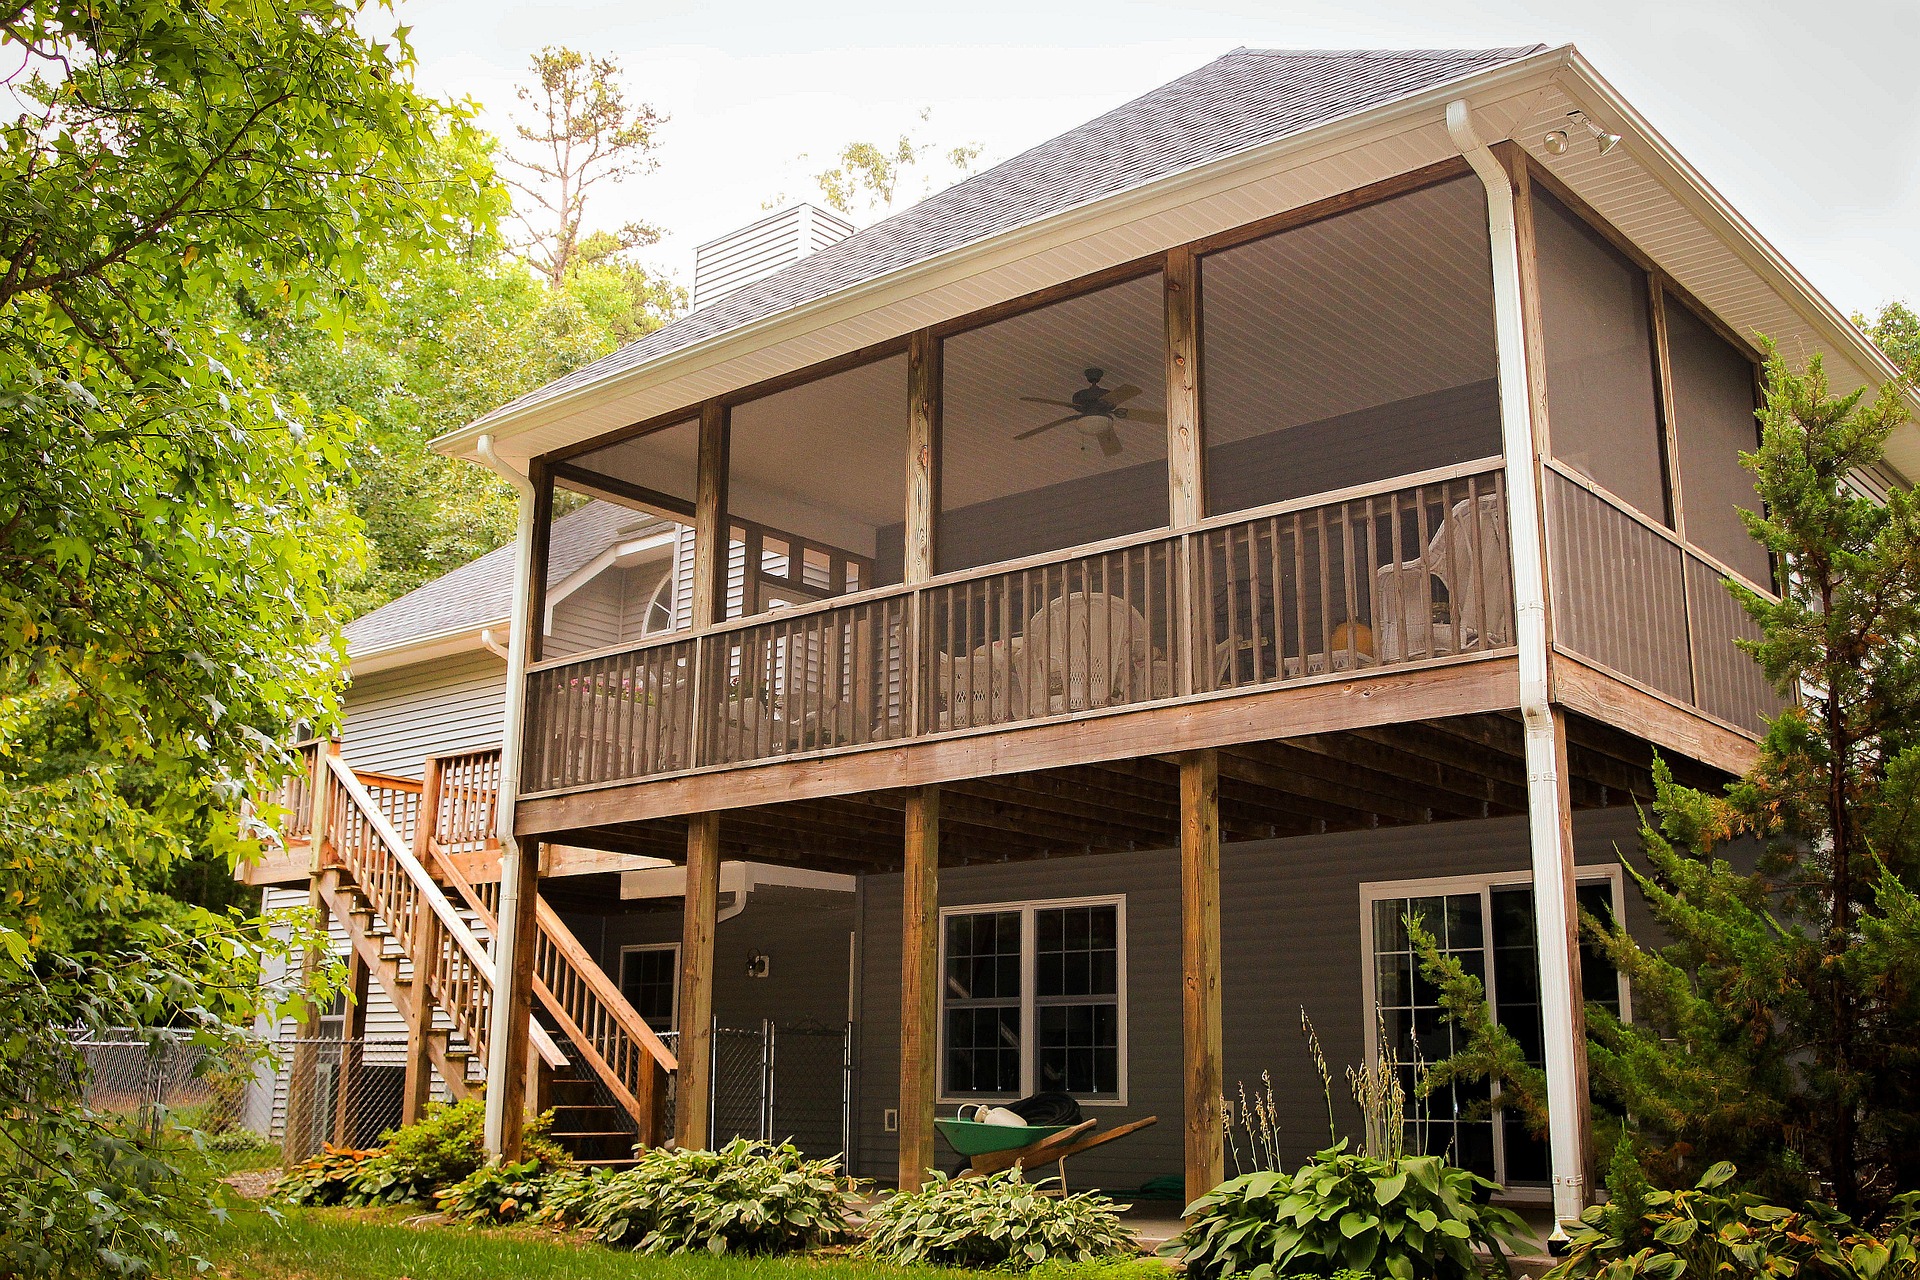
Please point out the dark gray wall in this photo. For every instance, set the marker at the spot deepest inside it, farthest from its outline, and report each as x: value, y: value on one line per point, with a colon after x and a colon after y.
x: 1290, y: 937
x: 804, y: 931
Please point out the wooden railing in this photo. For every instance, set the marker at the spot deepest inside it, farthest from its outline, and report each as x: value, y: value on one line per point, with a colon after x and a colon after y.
x: 1628, y: 595
x: 294, y: 795
x: 1405, y: 571
x: 624, y: 1051
x: 451, y: 966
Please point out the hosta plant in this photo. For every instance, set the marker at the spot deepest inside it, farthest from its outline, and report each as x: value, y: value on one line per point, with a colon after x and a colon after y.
x: 1712, y: 1230
x: 331, y: 1177
x: 1001, y: 1220
x: 496, y: 1193
x: 748, y: 1197
x: 1400, y: 1218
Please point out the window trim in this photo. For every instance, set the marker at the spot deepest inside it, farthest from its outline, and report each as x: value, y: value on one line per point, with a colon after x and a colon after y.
x: 1029, y: 1006
x: 1483, y: 883
x: 674, y: 947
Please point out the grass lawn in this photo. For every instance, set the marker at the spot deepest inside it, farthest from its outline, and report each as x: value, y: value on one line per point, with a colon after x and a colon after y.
x: 375, y: 1244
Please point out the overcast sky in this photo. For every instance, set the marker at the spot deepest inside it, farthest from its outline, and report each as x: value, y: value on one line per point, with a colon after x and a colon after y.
x: 1806, y: 115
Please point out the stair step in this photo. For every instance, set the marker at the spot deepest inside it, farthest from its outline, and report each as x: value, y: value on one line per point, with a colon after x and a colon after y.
x: 561, y: 1136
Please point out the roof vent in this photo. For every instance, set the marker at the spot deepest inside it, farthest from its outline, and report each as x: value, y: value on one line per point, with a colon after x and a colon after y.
x: 761, y: 248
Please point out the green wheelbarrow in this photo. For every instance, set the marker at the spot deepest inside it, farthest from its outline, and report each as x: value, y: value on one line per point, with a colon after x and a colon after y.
x: 971, y: 1138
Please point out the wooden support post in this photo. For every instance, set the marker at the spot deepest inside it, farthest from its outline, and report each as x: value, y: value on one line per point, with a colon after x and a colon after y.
x: 353, y: 1033
x: 519, y: 996
x: 1200, y: 967
x: 1186, y: 458
x: 695, y: 1050
x: 710, y: 519
x: 302, y: 1073
x: 418, y: 1086
x: 919, y: 985
x: 923, y: 454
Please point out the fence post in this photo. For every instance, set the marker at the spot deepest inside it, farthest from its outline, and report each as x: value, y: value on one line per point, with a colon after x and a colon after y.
x: 846, y: 1098
x: 766, y: 1079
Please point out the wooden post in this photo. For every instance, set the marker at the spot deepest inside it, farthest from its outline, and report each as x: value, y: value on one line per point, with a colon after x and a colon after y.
x: 519, y: 996
x: 418, y: 1086
x: 1200, y: 967
x: 919, y: 984
x: 695, y: 1049
x: 923, y: 454
x: 352, y: 1033
x: 710, y: 519
x: 1186, y: 458
x: 297, y: 1142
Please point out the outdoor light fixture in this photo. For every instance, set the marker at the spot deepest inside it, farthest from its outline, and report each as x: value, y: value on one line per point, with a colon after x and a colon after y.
x: 1607, y: 139
x: 1556, y: 142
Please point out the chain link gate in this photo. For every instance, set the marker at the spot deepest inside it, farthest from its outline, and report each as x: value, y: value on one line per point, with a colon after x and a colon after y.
x: 330, y: 1090
x: 780, y: 1083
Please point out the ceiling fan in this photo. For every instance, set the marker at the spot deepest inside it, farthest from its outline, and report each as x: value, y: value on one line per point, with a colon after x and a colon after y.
x: 1095, y: 410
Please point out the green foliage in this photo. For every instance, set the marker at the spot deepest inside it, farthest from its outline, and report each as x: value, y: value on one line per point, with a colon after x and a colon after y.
x: 496, y: 1193
x: 1111, y: 1267
x: 999, y: 1221
x: 442, y: 1148
x: 330, y: 1177
x: 1895, y: 328
x: 1713, y: 1230
x: 237, y: 1141
x: 1415, y: 1216
x: 866, y: 177
x: 569, y: 1192
x: 748, y: 1197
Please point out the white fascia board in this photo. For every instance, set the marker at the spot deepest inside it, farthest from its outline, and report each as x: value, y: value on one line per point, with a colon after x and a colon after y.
x: 1418, y: 111
x: 425, y: 648
x: 1604, y: 104
x: 735, y: 877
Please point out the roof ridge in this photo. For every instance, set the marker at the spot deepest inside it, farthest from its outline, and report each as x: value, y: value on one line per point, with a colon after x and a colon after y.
x: 1428, y: 53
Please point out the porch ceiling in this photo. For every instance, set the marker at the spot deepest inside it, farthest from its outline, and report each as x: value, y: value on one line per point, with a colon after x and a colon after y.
x: 1441, y: 770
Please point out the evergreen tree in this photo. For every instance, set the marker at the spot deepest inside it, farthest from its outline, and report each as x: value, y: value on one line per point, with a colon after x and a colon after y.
x: 1782, y: 1026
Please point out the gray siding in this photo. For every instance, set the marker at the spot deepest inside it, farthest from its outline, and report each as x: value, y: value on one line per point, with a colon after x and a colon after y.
x: 395, y: 719
x: 805, y: 933
x: 1290, y: 938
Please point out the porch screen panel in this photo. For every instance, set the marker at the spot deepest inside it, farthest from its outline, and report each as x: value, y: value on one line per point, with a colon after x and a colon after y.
x: 981, y: 999
x: 817, y: 487
x: 1037, y: 454
x: 1713, y: 424
x: 1601, y: 401
x: 1077, y: 995
x: 1350, y: 350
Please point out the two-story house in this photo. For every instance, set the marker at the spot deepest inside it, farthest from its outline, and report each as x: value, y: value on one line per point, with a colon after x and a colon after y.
x: 1145, y: 571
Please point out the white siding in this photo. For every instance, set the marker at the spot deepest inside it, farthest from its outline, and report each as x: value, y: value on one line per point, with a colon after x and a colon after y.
x: 590, y: 616
x: 396, y: 719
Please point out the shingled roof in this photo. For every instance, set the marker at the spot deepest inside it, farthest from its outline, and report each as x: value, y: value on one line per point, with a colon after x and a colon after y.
x: 1236, y: 102
x: 480, y: 593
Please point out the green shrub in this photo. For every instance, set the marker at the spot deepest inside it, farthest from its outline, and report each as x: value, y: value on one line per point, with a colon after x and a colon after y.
x: 1712, y: 1231
x: 496, y: 1193
x: 1001, y: 1220
x: 568, y: 1194
x: 1406, y: 1217
x: 237, y: 1142
x: 332, y: 1177
x: 748, y: 1197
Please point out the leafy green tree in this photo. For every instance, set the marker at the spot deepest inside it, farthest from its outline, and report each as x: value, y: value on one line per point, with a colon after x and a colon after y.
x: 867, y: 178
x: 172, y: 532
x: 583, y: 134
x: 1896, y: 328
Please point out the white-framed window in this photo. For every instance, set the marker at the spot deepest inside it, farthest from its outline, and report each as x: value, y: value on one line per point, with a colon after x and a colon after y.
x: 1487, y: 923
x: 650, y: 980
x: 1033, y: 998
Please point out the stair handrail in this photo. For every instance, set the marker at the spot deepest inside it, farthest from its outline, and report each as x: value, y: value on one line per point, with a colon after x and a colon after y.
x: 630, y: 1079
x: 472, y: 1023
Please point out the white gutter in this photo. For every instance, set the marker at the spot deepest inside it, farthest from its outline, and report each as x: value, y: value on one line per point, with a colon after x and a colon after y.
x: 506, y: 940
x: 1552, y: 889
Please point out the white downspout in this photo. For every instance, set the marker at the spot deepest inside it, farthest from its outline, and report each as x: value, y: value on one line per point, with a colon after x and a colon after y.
x: 506, y: 942
x: 1550, y: 888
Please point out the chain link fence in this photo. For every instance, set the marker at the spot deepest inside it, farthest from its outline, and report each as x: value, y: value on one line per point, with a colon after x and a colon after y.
x: 127, y: 1070
x: 338, y: 1091
x: 782, y: 1083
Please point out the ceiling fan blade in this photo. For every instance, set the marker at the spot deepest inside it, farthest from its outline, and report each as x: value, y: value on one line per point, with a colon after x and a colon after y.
x: 1048, y: 426
x: 1109, y: 442
x: 1151, y: 417
x: 1120, y: 395
x: 1064, y: 404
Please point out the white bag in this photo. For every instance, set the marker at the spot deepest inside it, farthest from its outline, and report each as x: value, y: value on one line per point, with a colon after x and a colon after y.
x: 985, y: 1113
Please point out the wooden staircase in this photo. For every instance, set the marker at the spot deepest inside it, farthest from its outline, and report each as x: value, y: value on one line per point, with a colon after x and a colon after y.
x: 411, y: 869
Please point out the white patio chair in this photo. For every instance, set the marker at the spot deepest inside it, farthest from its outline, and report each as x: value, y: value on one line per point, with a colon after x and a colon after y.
x: 975, y: 690
x: 1086, y: 650
x: 1460, y: 554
